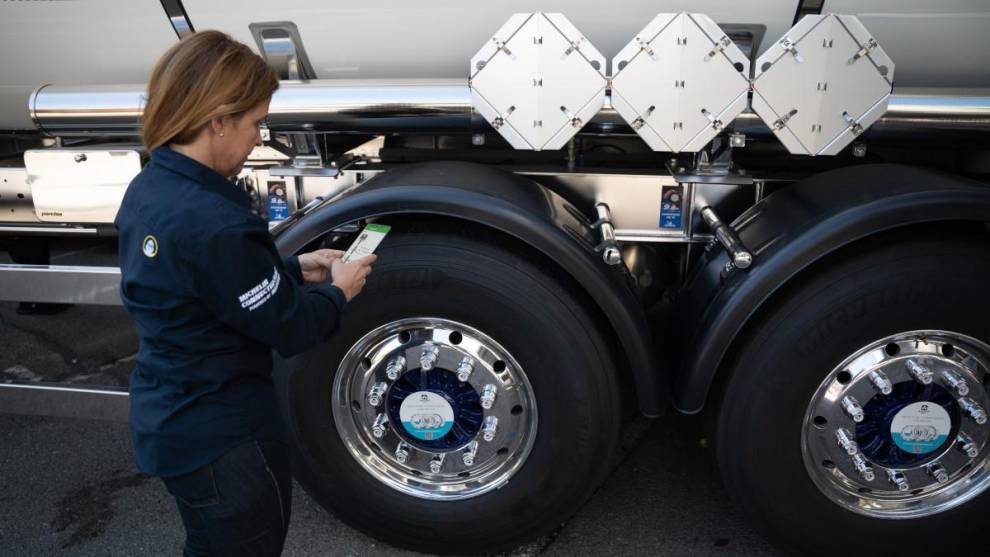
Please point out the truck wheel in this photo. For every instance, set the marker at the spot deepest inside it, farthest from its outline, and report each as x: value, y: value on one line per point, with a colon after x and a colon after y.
x: 855, y: 418
x: 468, y: 402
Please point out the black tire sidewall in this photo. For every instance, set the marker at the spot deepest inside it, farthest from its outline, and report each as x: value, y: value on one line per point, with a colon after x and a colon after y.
x: 894, y: 289
x: 531, y: 316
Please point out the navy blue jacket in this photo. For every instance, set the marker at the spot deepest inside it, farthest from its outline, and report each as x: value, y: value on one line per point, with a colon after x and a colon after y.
x: 211, y: 297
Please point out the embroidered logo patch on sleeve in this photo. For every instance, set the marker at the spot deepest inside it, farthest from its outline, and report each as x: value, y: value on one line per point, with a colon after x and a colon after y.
x: 149, y: 246
x: 260, y: 293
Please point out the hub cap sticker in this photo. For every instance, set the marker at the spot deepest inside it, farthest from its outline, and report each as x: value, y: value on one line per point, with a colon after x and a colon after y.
x: 920, y: 428
x: 426, y: 415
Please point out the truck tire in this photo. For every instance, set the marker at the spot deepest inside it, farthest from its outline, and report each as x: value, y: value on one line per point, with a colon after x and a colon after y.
x: 828, y: 434
x: 529, y: 339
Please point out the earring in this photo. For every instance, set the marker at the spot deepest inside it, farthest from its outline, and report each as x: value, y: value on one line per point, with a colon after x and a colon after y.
x: 221, y: 134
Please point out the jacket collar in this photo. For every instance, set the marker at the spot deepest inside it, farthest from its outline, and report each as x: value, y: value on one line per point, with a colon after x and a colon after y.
x: 201, y: 175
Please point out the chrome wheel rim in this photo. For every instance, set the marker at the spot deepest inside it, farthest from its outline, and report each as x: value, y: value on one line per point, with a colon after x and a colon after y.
x: 434, y: 408
x: 899, y: 428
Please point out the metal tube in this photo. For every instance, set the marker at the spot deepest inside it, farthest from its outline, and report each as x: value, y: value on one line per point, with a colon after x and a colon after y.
x: 427, y: 106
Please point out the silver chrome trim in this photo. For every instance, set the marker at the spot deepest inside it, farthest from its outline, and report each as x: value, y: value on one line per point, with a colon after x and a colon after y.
x: 60, y: 284
x: 178, y: 17
x: 48, y: 230
x: 425, y: 105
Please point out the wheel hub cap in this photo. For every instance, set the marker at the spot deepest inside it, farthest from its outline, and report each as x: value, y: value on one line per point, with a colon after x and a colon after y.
x: 899, y: 429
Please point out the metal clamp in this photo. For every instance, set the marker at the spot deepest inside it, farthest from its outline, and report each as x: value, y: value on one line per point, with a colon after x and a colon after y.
x: 864, y: 50
x: 609, y: 246
x: 720, y: 46
x: 741, y: 257
x: 790, y: 46
x: 779, y: 123
x: 853, y: 124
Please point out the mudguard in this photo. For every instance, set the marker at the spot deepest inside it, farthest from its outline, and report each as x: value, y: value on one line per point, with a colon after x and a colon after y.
x: 513, y: 205
x: 789, y: 231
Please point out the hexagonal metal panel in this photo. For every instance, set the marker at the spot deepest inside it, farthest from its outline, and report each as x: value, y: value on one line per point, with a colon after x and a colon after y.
x: 538, y: 81
x: 679, y: 82
x: 823, y: 83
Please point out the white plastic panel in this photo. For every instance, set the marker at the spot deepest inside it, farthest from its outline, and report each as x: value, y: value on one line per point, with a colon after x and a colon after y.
x: 538, y: 81
x: 81, y: 186
x: 679, y: 81
x: 822, y: 84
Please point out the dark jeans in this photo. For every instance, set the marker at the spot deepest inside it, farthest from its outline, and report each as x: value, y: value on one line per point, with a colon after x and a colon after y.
x: 239, y: 504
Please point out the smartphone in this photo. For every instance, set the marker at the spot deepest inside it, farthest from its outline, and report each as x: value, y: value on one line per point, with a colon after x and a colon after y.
x: 367, y: 241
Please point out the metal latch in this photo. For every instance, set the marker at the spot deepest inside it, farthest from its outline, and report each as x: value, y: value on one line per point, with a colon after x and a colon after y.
x: 575, y: 121
x: 645, y: 47
x: 779, y: 123
x: 720, y: 46
x: 853, y: 124
x: 500, y: 120
x: 716, y: 123
x: 789, y: 46
x: 608, y: 246
x: 641, y: 119
x: 870, y: 45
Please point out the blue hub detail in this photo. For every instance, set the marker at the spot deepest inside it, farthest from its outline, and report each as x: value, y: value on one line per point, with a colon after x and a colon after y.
x: 873, y: 433
x: 463, y: 399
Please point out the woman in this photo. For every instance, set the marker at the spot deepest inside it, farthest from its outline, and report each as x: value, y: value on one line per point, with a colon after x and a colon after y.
x: 212, y: 297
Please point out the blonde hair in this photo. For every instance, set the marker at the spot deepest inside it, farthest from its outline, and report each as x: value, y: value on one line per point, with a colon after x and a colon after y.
x: 204, y: 76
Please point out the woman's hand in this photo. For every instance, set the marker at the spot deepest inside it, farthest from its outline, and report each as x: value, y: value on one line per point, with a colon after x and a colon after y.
x: 317, y: 265
x: 350, y: 277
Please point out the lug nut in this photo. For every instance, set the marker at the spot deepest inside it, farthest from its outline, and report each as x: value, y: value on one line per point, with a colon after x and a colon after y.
x: 852, y: 408
x: 395, y: 368
x: 965, y: 444
x: 464, y: 369
x: 429, y: 357
x: 863, y: 468
x: 488, y: 396
x: 897, y: 480
x: 955, y: 382
x: 376, y: 392
x: 380, y: 426
x: 881, y: 382
x: 938, y: 472
x: 975, y: 411
x: 436, y: 463
x: 402, y: 452
x: 470, y: 451
x: 846, y: 441
x: 489, y: 428
x: 920, y: 373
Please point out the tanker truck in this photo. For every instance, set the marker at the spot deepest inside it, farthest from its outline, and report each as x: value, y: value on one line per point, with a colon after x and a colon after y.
x: 775, y: 212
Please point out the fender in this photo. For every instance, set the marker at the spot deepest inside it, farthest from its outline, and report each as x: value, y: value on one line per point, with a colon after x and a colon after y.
x: 513, y: 205
x: 789, y: 231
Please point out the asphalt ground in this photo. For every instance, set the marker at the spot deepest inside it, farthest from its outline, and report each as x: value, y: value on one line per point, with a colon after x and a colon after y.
x: 69, y: 487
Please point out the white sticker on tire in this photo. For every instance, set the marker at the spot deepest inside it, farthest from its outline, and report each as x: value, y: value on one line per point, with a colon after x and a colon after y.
x: 426, y: 415
x: 920, y: 428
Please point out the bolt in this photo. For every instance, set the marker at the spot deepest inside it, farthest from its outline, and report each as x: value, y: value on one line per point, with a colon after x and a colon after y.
x: 488, y: 396
x: 429, y: 357
x: 938, y: 472
x: 478, y: 139
x: 859, y: 150
x: 852, y: 408
x: 380, y: 426
x: 965, y: 444
x: 376, y: 392
x: 395, y: 368
x: 898, y: 480
x: 920, y: 373
x: 470, y: 451
x: 881, y: 382
x: 975, y: 411
x: 846, y: 441
x: 402, y: 452
x: 436, y: 463
x: 955, y: 382
x: 464, y: 369
x: 863, y: 467
x: 489, y: 428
